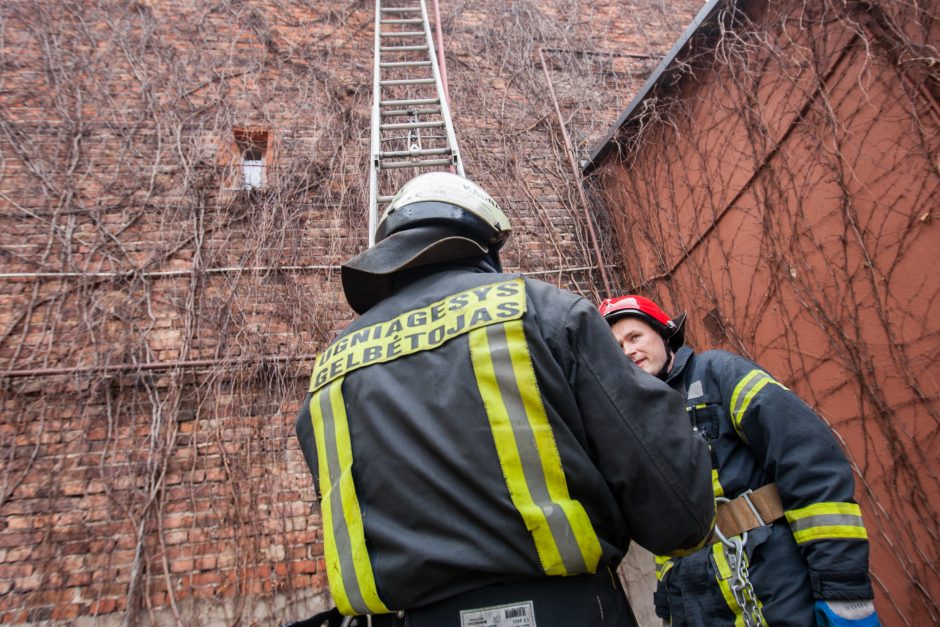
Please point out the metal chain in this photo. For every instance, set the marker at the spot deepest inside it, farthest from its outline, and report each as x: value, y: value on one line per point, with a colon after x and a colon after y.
x: 741, y: 586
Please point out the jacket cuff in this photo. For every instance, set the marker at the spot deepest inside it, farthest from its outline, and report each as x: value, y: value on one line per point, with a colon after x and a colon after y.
x: 841, y: 585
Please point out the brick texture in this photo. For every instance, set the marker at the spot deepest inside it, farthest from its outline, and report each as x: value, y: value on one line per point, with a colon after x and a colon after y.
x: 157, y: 324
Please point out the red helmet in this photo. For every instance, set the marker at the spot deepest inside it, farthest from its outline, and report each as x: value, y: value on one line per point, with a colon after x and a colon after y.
x: 673, y: 331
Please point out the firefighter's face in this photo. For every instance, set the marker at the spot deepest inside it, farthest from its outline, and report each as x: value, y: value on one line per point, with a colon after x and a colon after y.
x: 641, y: 343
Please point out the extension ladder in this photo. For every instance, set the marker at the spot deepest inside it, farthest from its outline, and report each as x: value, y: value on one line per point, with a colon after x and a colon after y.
x: 411, y: 128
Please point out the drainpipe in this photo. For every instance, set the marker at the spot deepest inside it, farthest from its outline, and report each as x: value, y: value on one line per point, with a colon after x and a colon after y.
x: 577, y: 176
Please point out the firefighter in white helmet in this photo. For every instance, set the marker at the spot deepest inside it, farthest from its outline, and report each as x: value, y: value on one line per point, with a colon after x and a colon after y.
x: 787, y: 512
x: 478, y: 452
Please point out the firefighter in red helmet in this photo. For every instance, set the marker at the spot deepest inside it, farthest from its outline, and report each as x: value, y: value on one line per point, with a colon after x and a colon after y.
x: 460, y: 432
x: 652, y: 345
x: 790, y: 547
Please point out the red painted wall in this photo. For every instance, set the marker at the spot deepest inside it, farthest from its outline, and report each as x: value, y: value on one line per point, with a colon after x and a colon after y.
x: 783, y: 191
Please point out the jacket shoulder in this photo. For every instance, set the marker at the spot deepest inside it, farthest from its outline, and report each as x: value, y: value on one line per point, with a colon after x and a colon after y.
x: 723, y: 360
x: 543, y: 293
x: 716, y: 369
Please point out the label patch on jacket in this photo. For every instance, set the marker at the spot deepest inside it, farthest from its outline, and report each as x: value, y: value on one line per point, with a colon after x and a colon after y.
x: 515, y: 615
x: 420, y: 329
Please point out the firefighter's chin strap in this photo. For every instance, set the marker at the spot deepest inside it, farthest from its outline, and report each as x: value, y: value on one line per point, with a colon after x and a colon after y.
x: 670, y: 357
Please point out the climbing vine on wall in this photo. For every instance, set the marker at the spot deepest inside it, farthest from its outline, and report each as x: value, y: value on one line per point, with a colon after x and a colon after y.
x: 780, y: 184
x: 158, y: 316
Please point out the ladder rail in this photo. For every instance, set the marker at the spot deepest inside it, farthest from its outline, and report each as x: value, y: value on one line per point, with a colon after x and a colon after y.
x: 445, y: 106
x: 374, y: 155
x: 436, y: 116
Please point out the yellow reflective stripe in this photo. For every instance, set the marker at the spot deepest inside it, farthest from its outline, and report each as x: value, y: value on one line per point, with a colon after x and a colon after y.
x: 723, y: 577
x: 744, y: 392
x: 564, y: 538
x: 420, y: 329
x: 827, y: 521
x: 716, y: 484
x: 584, y: 535
x: 818, y: 509
x: 664, y: 564
x: 831, y: 532
x: 349, y: 569
x: 333, y: 569
x: 508, y: 455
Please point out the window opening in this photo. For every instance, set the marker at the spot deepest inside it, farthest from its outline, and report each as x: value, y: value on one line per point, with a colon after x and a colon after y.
x: 252, y: 146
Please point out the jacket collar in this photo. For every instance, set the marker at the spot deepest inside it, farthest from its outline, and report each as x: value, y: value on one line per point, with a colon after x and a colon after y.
x: 679, y: 364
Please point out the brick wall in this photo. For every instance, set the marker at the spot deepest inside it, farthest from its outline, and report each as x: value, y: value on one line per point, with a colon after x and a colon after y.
x: 156, y: 324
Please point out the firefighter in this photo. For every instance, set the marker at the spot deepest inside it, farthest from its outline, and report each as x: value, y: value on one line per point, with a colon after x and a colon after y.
x: 478, y: 453
x: 785, y: 491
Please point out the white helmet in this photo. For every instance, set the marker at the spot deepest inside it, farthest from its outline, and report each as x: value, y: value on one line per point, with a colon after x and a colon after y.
x: 434, y: 218
x: 445, y: 198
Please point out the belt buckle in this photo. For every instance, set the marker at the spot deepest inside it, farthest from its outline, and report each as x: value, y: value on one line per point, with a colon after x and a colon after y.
x: 746, y: 495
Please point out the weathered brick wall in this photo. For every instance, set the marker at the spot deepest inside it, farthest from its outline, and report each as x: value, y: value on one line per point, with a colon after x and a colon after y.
x: 156, y: 326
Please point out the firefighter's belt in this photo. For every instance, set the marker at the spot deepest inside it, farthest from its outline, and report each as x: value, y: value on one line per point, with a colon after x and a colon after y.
x: 753, y: 509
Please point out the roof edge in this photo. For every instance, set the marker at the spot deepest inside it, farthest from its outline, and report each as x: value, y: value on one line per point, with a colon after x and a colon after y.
x: 604, y: 145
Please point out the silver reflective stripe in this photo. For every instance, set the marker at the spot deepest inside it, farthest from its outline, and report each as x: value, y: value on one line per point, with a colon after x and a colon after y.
x: 752, y: 383
x: 340, y: 529
x: 744, y: 388
x: 558, y: 522
x: 826, y: 520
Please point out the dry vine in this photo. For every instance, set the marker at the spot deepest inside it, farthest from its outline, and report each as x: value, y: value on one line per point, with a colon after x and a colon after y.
x: 765, y: 196
x: 157, y: 322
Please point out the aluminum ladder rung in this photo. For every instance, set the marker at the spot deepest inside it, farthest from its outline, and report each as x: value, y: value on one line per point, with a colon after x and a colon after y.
x: 407, y: 103
x: 402, y: 48
x: 402, y: 34
x: 398, y: 165
x: 407, y: 125
x: 411, y: 130
x: 405, y: 64
x: 398, y: 112
x: 407, y: 81
x: 426, y: 152
x: 403, y: 138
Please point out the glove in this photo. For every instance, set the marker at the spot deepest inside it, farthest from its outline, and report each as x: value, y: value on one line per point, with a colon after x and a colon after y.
x: 846, y: 614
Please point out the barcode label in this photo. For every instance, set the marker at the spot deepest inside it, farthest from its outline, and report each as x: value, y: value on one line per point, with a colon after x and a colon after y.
x: 510, y: 615
x: 517, y: 612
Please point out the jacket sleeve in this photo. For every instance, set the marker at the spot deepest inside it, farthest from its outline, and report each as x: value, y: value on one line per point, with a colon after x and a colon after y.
x: 812, y: 474
x: 658, y: 470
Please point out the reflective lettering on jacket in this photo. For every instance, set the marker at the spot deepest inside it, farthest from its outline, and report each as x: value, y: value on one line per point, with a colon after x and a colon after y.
x: 420, y: 329
x: 564, y: 539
